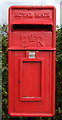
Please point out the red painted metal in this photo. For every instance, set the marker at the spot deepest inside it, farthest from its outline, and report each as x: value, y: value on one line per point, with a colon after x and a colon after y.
x: 31, y: 61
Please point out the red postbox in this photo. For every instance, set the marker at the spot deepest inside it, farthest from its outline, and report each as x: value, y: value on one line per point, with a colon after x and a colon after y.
x: 31, y: 61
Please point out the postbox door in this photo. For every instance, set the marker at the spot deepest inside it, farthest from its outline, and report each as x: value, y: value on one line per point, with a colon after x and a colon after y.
x: 32, y: 82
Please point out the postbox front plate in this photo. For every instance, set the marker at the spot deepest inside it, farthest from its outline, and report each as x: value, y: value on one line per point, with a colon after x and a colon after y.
x: 31, y: 61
